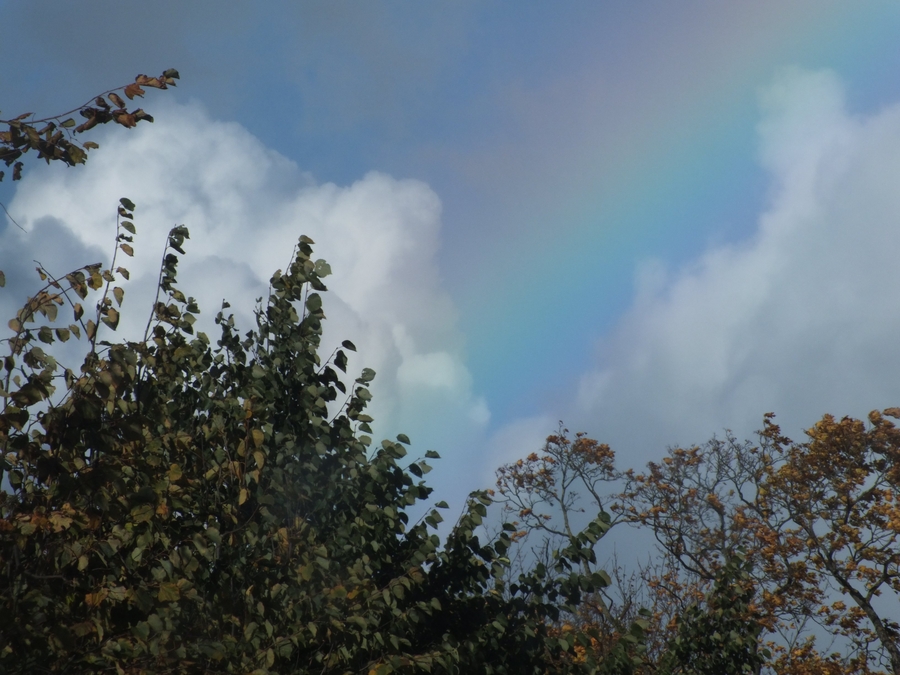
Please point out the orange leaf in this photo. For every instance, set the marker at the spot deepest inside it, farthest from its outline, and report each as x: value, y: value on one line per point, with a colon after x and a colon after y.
x: 133, y: 90
x: 125, y: 119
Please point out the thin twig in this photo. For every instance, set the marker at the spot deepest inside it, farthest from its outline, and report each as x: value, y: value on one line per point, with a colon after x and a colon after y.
x: 12, y: 219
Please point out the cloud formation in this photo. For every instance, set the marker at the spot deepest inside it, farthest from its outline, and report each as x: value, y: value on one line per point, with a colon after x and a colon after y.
x: 246, y: 206
x: 800, y: 319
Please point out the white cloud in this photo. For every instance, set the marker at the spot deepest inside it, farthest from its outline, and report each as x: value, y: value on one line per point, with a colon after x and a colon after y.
x: 516, y: 440
x: 801, y: 319
x: 246, y: 206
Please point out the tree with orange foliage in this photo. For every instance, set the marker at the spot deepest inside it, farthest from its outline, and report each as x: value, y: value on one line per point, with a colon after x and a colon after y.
x: 820, y: 521
x: 689, y: 626
x: 547, y: 494
x: 834, y: 502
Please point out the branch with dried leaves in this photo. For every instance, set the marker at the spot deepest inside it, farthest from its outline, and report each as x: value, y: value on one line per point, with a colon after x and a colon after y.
x: 55, y: 140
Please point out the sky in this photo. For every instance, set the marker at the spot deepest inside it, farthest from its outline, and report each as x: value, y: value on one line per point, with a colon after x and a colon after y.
x: 653, y: 221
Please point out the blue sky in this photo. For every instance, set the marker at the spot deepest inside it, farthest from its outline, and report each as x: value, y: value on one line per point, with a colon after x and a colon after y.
x: 646, y: 219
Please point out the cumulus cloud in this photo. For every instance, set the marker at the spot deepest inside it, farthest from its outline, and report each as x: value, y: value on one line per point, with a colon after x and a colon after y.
x: 246, y: 206
x: 800, y: 319
x: 516, y: 440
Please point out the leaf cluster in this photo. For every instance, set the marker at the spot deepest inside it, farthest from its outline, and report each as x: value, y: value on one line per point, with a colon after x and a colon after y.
x: 54, y: 138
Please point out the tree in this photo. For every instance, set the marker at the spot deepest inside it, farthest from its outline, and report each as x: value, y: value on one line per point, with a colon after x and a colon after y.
x: 653, y: 620
x: 182, y: 507
x: 722, y: 635
x: 174, y: 506
x: 179, y: 506
x: 833, y: 502
x: 819, y: 521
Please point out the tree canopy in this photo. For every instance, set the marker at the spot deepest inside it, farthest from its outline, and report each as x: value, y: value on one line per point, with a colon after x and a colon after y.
x: 179, y: 506
x: 815, y: 525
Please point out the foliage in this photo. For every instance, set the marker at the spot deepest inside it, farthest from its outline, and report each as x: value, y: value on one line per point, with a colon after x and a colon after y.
x: 551, y: 485
x: 177, y: 506
x: 833, y: 504
x: 55, y: 140
x: 819, y: 520
x: 685, y: 625
x: 544, y: 495
x: 723, y: 637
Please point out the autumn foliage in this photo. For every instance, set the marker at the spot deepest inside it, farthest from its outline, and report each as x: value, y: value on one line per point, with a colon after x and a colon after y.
x: 54, y: 138
x: 817, y: 523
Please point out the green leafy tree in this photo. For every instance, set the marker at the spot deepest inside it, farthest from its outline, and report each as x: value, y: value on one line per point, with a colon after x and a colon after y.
x: 721, y: 636
x: 176, y: 505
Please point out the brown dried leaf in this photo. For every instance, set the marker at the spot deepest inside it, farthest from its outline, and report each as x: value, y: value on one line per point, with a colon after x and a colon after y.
x: 112, y: 318
x: 84, y: 126
x: 133, y: 90
x: 149, y: 82
x: 125, y: 119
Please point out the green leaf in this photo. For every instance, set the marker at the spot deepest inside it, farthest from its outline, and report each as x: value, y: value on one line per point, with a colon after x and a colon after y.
x: 314, y: 302
x: 168, y: 592
x: 322, y: 268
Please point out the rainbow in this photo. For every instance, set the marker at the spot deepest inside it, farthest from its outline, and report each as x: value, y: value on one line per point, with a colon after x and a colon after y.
x: 668, y: 183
